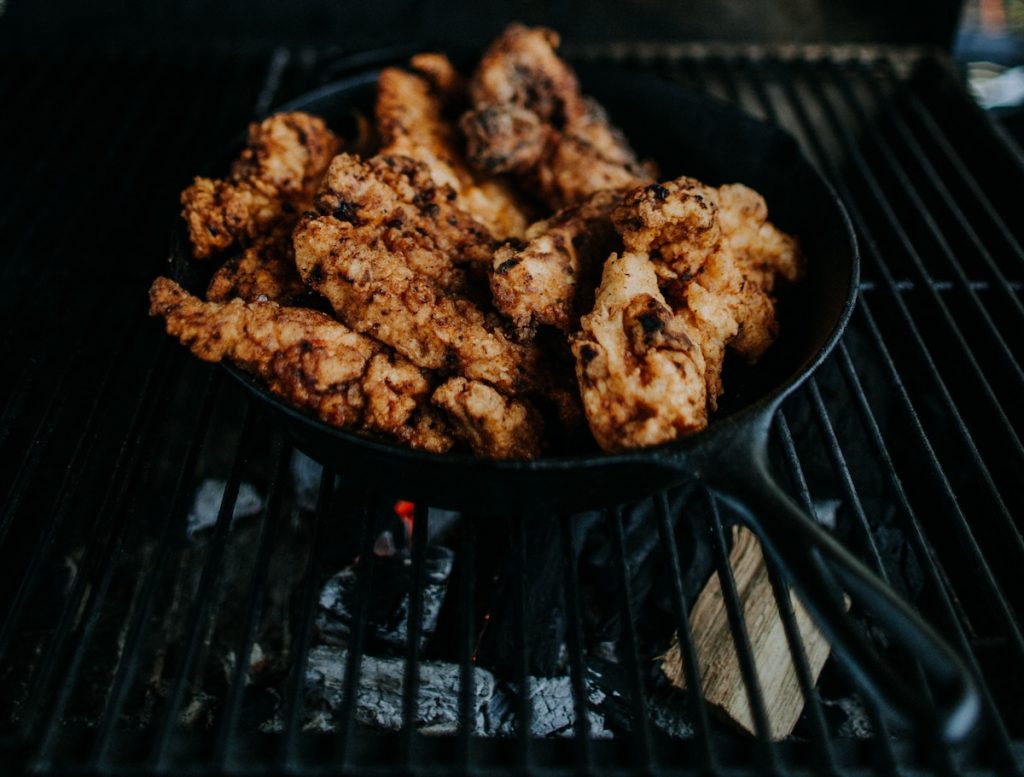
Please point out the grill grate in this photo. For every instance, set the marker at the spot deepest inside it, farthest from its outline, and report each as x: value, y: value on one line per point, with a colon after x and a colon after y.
x: 115, y: 613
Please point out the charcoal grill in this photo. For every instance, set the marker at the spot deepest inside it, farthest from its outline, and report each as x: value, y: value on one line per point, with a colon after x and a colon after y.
x: 116, y: 617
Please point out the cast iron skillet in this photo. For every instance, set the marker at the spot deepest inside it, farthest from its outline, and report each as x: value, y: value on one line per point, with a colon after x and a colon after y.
x: 687, y: 134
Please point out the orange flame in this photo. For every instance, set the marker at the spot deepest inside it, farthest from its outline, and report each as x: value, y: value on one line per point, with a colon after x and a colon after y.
x: 406, y: 511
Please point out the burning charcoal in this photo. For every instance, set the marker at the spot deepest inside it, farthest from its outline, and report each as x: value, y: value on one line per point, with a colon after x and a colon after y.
x: 389, y: 606
x: 553, y: 712
x: 306, y: 475
x: 379, y: 698
x: 206, y: 504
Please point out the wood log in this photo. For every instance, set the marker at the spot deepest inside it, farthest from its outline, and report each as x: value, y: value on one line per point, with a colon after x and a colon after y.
x: 720, y: 673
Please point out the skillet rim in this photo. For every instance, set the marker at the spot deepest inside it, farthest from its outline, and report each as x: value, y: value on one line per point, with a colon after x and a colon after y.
x: 747, y: 415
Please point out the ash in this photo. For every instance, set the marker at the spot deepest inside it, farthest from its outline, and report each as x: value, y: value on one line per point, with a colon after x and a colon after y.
x: 379, y: 698
x: 334, y: 618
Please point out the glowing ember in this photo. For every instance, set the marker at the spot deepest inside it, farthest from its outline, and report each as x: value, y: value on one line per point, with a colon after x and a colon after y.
x: 406, y: 511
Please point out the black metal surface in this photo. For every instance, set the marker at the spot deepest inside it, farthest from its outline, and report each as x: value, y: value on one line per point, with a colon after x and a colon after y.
x: 899, y: 427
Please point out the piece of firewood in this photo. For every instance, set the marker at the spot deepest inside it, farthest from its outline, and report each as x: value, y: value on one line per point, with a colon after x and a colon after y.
x: 716, y: 653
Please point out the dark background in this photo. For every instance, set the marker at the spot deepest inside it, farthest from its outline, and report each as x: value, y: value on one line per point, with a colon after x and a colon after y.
x: 262, y: 24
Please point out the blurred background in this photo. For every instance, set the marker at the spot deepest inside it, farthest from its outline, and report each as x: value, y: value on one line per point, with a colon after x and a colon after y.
x: 986, y: 36
x: 990, y: 45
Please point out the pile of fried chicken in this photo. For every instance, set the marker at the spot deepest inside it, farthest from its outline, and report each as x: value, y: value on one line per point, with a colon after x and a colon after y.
x: 503, y: 275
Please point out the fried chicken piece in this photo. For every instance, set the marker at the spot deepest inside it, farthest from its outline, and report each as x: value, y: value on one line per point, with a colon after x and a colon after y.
x: 389, y: 280
x: 265, y: 271
x: 529, y: 118
x: 551, y: 279
x: 765, y: 252
x: 410, y: 111
x: 310, y: 360
x: 640, y: 371
x: 677, y: 221
x: 394, y: 199
x: 717, y: 258
x: 272, y: 181
x: 493, y: 425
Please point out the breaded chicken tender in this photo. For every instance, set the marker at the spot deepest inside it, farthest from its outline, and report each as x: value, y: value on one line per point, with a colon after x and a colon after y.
x: 411, y: 121
x: 529, y: 118
x: 395, y: 199
x: 386, y: 275
x: 265, y: 271
x: 717, y: 259
x: 271, y: 182
x: 310, y: 360
x: 551, y: 279
x: 493, y: 425
x: 639, y: 368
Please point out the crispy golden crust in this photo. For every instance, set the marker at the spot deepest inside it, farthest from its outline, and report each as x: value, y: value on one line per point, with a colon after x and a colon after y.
x: 718, y: 259
x: 394, y: 199
x: 528, y: 117
x: 388, y: 280
x: 265, y: 271
x: 271, y: 182
x: 640, y: 372
x: 551, y: 279
x: 410, y: 119
x: 493, y: 425
x: 764, y: 252
x: 373, y: 289
x: 676, y: 221
x: 310, y: 360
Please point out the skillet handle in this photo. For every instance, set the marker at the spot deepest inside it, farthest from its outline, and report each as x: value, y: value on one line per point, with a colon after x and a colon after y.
x: 814, y: 562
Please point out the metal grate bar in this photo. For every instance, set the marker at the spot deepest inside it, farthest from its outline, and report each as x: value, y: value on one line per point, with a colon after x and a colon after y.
x: 996, y: 592
x: 288, y: 757
x: 866, y: 538
x: 126, y: 183
x: 29, y: 580
x: 684, y: 634
x: 269, y: 529
x: 467, y: 641
x: 882, y: 735
x: 574, y: 642
x: 911, y: 143
x: 923, y: 550
x: 783, y: 599
x: 879, y: 195
x: 960, y: 523
x: 640, y: 722
x: 354, y: 659
x: 935, y: 132
x: 112, y: 533
x: 204, y: 595
x: 128, y: 665
x: 908, y: 187
x: 842, y: 471
x: 41, y: 437
x: 523, y: 700
x: 741, y: 639
x: 411, y: 687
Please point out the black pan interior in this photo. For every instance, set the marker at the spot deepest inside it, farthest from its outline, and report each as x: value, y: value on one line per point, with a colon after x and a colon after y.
x: 685, y: 134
